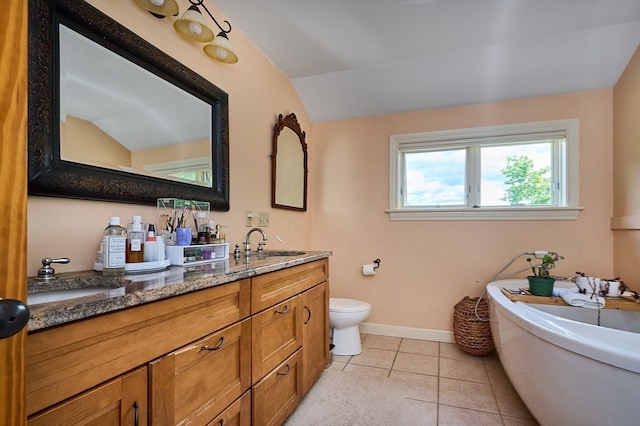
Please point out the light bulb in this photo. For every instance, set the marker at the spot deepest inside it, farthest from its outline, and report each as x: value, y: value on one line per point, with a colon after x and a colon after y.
x: 195, y: 28
x: 157, y: 2
x: 221, y: 53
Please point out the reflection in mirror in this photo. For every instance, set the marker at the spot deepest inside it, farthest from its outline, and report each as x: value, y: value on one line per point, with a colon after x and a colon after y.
x: 163, y: 131
x: 289, y: 164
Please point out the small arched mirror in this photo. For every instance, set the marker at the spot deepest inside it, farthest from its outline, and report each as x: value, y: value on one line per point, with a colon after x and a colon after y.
x: 289, y: 165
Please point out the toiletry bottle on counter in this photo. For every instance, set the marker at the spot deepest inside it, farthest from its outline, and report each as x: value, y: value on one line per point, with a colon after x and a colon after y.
x: 150, y: 248
x: 203, y: 228
x: 212, y: 231
x: 113, y: 248
x: 160, y: 249
x: 135, y: 241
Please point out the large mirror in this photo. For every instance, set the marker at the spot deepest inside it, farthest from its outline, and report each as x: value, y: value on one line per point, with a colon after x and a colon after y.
x: 289, y: 165
x: 113, y: 118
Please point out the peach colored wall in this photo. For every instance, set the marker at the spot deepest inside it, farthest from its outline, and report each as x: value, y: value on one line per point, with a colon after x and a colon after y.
x: 86, y: 143
x: 258, y: 92
x: 428, y: 266
x: 626, y: 175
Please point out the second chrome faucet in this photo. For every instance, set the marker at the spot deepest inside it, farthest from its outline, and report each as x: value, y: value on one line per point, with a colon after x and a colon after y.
x: 247, y: 242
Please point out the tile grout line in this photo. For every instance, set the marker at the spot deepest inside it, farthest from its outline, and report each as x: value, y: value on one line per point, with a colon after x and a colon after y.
x: 493, y: 391
x: 441, y: 355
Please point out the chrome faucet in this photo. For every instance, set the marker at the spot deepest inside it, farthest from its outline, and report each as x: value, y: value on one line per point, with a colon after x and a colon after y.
x: 247, y: 242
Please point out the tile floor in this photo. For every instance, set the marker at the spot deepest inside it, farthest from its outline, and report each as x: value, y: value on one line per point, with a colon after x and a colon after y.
x: 447, y: 385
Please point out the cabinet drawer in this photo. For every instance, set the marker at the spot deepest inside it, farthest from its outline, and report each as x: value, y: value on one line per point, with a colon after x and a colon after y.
x: 64, y: 361
x: 272, y: 288
x: 194, y: 384
x: 278, y: 394
x: 276, y: 334
x: 117, y: 402
x: 237, y: 414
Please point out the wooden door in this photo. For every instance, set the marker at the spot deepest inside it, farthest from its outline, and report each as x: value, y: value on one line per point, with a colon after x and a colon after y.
x: 13, y: 199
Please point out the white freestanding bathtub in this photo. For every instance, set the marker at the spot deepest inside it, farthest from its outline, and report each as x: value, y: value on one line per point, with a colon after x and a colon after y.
x: 567, y: 369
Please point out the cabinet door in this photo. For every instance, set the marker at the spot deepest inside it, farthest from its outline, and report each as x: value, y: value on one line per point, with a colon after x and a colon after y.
x: 279, y: 393
x: 194, y: 384
x: 122, y: 401
x: 276, y: 335
x: 315, y: 333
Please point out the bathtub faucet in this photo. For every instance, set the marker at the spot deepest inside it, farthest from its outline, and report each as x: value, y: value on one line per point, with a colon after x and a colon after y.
x: 537, y: 254
x: 540, y: 254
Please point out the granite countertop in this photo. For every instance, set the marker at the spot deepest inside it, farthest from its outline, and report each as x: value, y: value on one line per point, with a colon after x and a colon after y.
x: 79, y: 295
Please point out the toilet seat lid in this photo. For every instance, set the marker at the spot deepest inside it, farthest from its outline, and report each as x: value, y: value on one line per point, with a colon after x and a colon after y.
x: 337, y: 304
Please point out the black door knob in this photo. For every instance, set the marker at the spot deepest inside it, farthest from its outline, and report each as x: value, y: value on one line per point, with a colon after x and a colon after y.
x: 14, y: 315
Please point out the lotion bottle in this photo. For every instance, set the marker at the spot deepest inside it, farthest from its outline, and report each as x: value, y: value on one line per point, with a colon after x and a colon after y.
x: 160, y: 247
x: 113, y: 247
x: 135, y: 241
x: 150, y: 249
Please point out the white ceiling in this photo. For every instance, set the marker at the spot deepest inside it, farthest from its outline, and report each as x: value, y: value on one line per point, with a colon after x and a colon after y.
x: 356, y: 58
x: 96, y: 85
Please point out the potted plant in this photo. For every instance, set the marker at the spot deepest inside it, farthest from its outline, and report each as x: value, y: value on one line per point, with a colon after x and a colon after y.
x: 540, y: 283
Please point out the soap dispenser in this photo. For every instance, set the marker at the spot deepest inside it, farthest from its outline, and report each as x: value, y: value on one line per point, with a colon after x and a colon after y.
x: 135, y: 241
x: 113, y: 248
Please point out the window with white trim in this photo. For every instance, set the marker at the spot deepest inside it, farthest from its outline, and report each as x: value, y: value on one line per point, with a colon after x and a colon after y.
x: 525, y: 171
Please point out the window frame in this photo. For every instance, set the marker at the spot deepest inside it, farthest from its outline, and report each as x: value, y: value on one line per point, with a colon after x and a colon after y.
x: 500, y: 134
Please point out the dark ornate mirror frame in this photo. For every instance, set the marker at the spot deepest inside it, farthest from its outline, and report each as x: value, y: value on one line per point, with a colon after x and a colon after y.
x: 290, y: 121
x: 49, y: 175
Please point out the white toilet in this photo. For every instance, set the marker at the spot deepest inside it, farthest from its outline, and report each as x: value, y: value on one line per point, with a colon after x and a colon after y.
x: 345, y: 316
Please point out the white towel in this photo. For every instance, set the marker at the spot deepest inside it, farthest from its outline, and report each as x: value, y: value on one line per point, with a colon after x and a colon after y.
x: 561, y: 291
x: 583, y: 300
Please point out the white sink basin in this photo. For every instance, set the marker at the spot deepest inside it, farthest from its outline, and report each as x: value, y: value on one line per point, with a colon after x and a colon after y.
x: 72, y: 293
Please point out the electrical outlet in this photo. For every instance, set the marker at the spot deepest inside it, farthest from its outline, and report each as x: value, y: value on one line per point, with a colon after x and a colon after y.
x: 248, y: 217
x: 263, y: 219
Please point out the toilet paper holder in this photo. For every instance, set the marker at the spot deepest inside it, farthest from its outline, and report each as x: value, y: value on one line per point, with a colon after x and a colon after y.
x: 377, y: 262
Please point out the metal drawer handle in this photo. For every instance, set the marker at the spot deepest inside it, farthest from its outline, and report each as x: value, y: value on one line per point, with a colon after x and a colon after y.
x: 284, y: 310
x: 285, y: 372
x: 216, y: 347
x: 136, y: 416
x: 306, y: 308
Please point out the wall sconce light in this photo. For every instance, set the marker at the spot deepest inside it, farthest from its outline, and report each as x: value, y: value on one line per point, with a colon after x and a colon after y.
x: 193, y: 26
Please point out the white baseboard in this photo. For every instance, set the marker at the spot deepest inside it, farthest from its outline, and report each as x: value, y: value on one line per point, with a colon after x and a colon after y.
x: 408, y: 332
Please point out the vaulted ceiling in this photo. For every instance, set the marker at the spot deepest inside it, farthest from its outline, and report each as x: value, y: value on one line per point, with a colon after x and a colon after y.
x: 356, y: 58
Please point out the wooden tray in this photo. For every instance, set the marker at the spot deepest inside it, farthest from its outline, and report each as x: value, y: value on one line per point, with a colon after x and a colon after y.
x: 623, y: 303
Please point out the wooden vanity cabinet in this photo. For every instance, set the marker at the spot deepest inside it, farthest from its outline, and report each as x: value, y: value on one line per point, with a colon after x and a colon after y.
x: 290, y: 348
x: 243, y: 353
x: 65, y: 361
x: 121, y: 401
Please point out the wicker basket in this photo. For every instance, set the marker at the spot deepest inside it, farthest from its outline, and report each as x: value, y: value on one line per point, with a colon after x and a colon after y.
x: 470, y: 333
